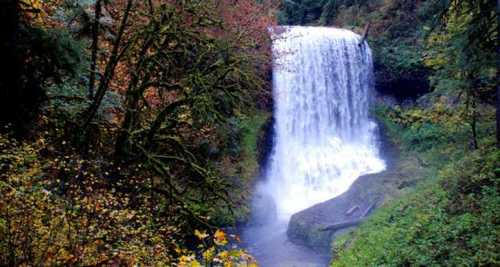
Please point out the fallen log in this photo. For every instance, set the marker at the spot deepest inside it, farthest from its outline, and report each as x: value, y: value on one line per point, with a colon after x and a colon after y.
x: 369, y: 209
x: 365, y: 34
x: 352, y: 210
x: 349, y: 223
x: 342, y: 225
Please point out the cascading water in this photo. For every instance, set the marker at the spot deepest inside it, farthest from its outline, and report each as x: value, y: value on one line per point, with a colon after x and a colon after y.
x: 324, y: 137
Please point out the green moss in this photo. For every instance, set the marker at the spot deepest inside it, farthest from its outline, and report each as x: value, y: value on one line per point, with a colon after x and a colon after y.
x: 251, y: 129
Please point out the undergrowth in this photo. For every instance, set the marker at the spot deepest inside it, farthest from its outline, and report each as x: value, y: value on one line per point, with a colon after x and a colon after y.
x: 448, y: 219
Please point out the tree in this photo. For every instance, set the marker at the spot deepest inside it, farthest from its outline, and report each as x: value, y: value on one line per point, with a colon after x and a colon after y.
x: 184, y: 69
x: 498, y: 75
x: 116, y: 54
x: 462, y: 53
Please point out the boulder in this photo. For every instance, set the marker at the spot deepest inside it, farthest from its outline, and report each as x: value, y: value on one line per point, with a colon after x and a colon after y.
x: 318, y: 225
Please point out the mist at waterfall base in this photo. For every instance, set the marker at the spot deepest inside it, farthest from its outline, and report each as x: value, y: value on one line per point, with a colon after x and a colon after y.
x: 324, y: 137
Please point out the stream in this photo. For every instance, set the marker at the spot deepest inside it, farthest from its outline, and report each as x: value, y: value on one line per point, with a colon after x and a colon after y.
x: 270, y: 246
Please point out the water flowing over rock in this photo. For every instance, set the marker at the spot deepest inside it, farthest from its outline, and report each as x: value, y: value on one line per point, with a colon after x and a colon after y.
x: 325, y: 139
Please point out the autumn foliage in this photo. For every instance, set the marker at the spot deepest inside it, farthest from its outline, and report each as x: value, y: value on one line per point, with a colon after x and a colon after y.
x: 63, y: 210
x: 129, y: 174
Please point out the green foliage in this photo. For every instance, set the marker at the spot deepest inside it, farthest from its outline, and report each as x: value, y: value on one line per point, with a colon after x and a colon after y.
x: 462, y: 51
x: 59, y: 50
x: 425, y: 130
x: 302, y: 12
x: 398, y: 59
x: 424, y: 137
x: 449, y: 218
x: 451, y: 222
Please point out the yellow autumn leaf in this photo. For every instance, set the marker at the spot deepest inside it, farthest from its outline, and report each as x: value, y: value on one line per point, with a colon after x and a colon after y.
x: 208, y: 255
x: 200, y: 235
x: 220, y: 238
x: 35, y: 5
x: 223, y: 255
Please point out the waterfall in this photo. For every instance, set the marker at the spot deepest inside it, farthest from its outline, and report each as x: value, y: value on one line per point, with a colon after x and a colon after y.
x: 325, y: 139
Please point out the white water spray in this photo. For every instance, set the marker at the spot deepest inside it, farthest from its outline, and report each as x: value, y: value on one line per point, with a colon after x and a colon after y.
x: 324, y: 137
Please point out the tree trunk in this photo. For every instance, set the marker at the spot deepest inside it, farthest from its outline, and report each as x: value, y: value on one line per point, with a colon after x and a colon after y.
x: 365, y: 34
x: 471, y: 107
x: 133, y: 96
x: 94, y: 48
x: 122, y: 141
x: 498, y: 75
x: 108, y: 73
x: 474, y: 124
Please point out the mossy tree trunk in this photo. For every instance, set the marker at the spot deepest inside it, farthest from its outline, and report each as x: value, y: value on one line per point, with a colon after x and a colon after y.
x: 498, y: 75
x: 94, y: 48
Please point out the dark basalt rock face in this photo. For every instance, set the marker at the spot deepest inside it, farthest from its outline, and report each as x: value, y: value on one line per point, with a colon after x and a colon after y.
x: 265, y: 144
x: 317, y: 226
x: 402, y: 87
